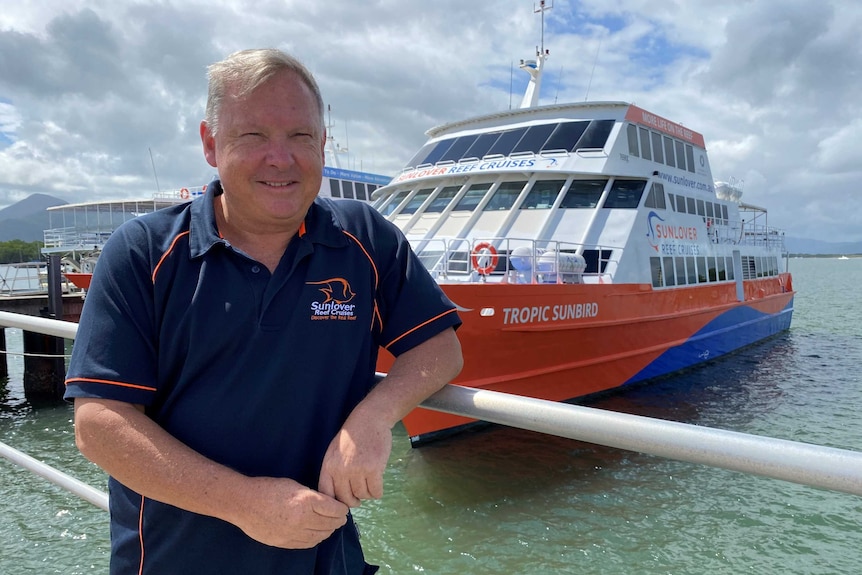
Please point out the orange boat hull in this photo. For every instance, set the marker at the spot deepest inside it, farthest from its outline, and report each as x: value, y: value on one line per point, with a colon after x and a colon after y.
x: 81, y: 280
x: 559, y: 342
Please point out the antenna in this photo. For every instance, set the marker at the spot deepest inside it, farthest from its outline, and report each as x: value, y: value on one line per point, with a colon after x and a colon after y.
x: 333, y: 147
x: 596, y: 59
x: 155, y: 175
x: 541, y: 9
x: 559, y: 81
x: 534, y: 67
x: 511, y: 81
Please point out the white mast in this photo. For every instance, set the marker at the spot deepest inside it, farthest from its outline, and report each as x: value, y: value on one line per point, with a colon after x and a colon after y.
x: 534, y: 67
x: 332, y: 146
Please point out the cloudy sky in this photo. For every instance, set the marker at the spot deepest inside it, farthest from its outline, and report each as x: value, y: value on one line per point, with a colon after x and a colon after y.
x: 94, y: 93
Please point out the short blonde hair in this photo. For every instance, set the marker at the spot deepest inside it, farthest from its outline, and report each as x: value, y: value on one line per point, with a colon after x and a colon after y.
x: 246, y: 70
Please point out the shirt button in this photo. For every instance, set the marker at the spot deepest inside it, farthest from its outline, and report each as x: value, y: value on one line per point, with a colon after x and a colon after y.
x: 255, y: 269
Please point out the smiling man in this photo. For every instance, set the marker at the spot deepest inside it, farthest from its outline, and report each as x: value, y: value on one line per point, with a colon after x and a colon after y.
x: 239, y: 423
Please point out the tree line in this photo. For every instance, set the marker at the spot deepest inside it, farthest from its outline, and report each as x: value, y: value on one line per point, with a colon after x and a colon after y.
x: 15, y: 251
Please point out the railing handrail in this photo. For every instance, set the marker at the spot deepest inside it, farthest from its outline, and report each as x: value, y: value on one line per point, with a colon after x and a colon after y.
x: 55, y: 476
x: 804, y: 463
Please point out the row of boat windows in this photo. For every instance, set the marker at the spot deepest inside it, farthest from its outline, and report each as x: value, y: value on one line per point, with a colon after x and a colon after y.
x: 709, y: 210
x: 659, y: 148
x: 690, y: 270
x: 351, y: 190
x: 561, y: 137
x: 584, y: 194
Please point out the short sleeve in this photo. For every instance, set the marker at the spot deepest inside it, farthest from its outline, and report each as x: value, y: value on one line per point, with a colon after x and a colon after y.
x: 114, y: 354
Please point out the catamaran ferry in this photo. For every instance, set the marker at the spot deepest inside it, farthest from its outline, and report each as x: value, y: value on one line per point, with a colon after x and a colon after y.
x: 587, y: 248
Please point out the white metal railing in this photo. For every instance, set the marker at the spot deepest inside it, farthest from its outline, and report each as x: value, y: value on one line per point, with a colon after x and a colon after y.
x: 807, y: 464
x: 533, y: 261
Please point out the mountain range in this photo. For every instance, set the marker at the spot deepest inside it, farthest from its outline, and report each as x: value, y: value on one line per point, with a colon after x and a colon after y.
x: 27, y: 219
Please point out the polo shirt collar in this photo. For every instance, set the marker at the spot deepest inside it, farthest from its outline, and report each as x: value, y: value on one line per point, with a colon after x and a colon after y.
x: 321, y: 225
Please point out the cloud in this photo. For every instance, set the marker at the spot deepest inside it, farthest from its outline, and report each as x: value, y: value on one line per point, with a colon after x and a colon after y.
x: 89, y: 90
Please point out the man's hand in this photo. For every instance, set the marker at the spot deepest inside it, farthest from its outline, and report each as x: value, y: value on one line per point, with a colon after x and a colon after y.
x: 284, y: 513
x: 356, y: 459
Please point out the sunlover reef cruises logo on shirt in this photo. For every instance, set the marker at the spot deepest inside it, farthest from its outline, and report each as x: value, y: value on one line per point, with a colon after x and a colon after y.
x: 336, y: 301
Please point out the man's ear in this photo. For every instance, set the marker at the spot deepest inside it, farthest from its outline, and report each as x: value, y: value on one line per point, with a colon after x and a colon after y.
x: 208, y: 141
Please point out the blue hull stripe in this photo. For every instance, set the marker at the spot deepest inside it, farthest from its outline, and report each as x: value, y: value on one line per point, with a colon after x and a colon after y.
x: 728, y: 332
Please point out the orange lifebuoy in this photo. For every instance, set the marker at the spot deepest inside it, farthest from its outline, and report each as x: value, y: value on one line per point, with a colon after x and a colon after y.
x: 484, y: 250
x: 184, y: 193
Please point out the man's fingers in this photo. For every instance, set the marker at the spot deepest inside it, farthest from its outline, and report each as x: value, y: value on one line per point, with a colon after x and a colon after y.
x: 375, y: 486
x: 326, y: 484
x: 344, y: 493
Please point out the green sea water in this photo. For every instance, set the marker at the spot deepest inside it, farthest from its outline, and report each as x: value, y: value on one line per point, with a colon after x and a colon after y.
x: 502, y: 500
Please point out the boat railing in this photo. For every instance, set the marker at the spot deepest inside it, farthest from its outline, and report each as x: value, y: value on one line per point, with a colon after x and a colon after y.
x: 516, y: 260
x: 803, y: 463
x: 73, y: 239
x: 21, y: 278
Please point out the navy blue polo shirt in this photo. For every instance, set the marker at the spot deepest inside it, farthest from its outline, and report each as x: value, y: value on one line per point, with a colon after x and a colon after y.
x: 254, y: 370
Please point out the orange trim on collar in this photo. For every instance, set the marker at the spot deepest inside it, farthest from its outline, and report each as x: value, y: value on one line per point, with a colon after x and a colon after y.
x: 302, y: 229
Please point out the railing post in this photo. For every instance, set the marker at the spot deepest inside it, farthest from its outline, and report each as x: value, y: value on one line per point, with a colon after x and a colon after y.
x: 4, y: 366
x: 44, y: 368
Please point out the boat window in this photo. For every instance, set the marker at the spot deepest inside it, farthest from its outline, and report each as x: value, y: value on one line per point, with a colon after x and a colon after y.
x: 671, y: 199
x: 709, y: 212
x: 711, y: 262
x: 439, y: 203
x: 625, y: 194
x: 720, y: 270
x: 692, y: 272
x: 566, y: 135
x: 645, y: 147
x: 439, y: 150
x: 505, y: 196
x: 334, y: 188
x: 680, y: 271
x: 701, y: 270
x: 689, y: 157
x: 347, y: 189
x: 482, y: 144
x: 655, y: 271
x: 360, y: 191
x: 701, y: 211
x: 394, y: 201
x: 657, y: 154
x: 584, y: 194
x: 668, y: 151
x: 459, y: 146
x: 472, y: 198
x: 417, y: 201
x: 690, y: 206
x: 655, y: 198
x: 680, y: 154
x: 597, y: 260
x: 543, y: 195
x: 419, y: 156
x: 632, y: 133
x: 596, y: 135
x: 669, y: 276
x: 724, y: 212
x: 506, y: 142
x: 371, y: 189
x: 534, y: 138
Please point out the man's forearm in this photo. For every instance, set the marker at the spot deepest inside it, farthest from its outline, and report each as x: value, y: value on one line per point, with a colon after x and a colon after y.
x: 414, y: 376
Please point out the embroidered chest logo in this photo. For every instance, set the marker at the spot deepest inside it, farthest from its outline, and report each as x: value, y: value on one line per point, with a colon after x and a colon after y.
x: 335, y: 304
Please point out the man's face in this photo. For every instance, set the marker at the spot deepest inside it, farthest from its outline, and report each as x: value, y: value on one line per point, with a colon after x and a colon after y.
x: 269, y: 151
